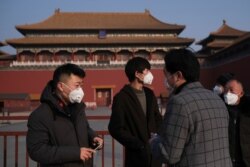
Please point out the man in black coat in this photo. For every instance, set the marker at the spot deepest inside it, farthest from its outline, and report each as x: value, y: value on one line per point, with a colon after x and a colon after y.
x: 238, y: 105
x: 58, y: 131
x: 135, y: 115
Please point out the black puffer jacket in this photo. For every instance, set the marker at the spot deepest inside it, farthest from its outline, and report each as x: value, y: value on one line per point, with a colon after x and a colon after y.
x: 55, y: 134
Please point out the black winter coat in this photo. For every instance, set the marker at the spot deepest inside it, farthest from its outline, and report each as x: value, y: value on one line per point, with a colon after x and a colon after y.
x: 55, y: 134
x: 129, y: 126
x: 245, y: 130
x: 239, y: 132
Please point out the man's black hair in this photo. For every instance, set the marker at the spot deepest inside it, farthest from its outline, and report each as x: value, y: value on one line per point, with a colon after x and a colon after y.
x: 224, y: 78
x: 138, y: 64
x: 183, y: 60
x: 67, y: 69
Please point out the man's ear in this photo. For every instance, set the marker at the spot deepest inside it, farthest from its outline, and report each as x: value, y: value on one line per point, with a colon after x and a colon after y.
x: 179, y: 74
x: 59, y: 86
x: 241, y: 94
x: 138, y: 75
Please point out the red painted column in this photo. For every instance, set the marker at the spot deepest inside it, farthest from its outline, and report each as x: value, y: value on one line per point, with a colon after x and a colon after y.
x: 36, y: 57
x: 18, y: 56
x: 115, y: 56
x: 133, y: 54
x: 150, y: 55
x: 72, y: 56
x: 91, y: 56
x: 54, y: 56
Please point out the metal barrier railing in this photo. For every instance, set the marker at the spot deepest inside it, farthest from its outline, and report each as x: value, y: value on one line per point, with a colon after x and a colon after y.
x: 17, y: 134
x: 110, y: 146
x: 8, y: 118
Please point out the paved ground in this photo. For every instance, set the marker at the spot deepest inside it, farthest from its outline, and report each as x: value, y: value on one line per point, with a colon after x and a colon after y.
x: 21, y: 126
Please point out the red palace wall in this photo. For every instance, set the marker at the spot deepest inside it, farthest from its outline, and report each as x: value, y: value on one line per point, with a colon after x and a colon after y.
x: 23, y: 81
x: 34, y: 81
x: 241, y: 69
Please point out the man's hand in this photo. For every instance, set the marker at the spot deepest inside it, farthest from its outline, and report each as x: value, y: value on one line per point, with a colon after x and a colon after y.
x: 153, y: 137
x: 97, y: 141
x: 86, y: 153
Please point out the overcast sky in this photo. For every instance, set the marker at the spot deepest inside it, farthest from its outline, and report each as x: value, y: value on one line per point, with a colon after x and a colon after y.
x: 200, y: 17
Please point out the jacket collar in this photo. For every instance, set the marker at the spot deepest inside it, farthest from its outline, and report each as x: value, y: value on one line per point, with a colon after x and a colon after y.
x: 49, y: 97
x: 187, y: 85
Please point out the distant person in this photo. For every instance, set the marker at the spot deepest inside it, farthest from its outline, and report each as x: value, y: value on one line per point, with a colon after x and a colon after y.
x: 221, y: 82
x: 238, y: 105
x: 58, y: 130
x: 194, y: 132
x: 135, y: 115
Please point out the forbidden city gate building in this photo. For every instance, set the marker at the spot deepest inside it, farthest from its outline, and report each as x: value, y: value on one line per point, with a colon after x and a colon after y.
x: 97, y: 42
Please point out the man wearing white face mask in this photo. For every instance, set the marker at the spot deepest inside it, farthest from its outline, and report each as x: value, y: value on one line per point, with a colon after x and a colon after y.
x: 58, y: 131
x: 238, y: 105
x: 194, y: 131
x: 135, y: 115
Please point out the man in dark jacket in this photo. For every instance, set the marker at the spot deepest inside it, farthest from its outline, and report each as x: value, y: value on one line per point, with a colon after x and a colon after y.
x: 135, y: 115
x: 58, y: 131
x: 238, y: 105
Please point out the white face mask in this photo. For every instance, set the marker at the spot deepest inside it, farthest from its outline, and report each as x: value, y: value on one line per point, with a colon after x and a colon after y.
x: 231, y: 98
x: 76, y: 95
x: 148, y: 78
x: 218, y: 90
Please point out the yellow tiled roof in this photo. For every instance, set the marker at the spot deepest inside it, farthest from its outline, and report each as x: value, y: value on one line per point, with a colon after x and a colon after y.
x: 80, y: 21
x: 96, y: 40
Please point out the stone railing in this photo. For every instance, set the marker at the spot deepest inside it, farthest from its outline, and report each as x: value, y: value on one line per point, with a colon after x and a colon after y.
x: 22, y: 64
x: 156, y: 62
x: 50, y: 63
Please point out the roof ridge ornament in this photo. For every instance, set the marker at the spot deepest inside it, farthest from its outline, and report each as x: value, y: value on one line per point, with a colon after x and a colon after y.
x: 147, y: 11
x: 57, y: 11
x: 224, y: 21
